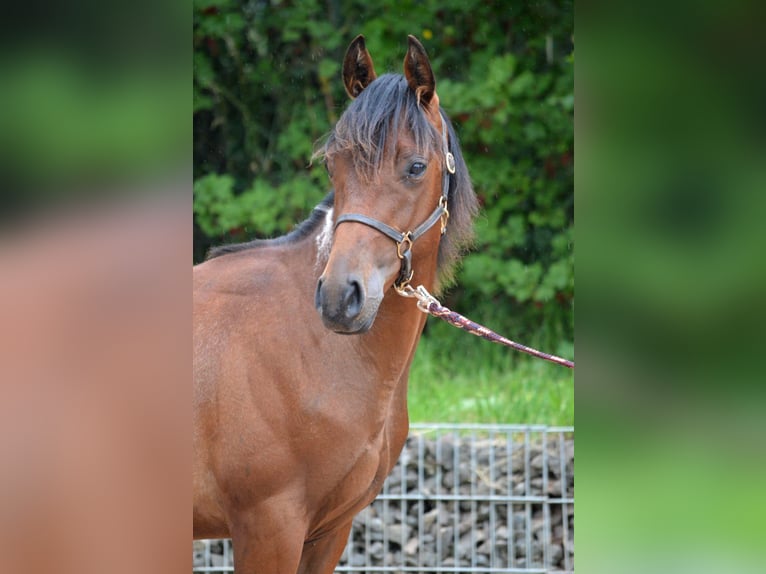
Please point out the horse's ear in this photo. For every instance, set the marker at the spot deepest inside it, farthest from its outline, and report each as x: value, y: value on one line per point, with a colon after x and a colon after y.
x: 417, y: 70
x: 358, y: 71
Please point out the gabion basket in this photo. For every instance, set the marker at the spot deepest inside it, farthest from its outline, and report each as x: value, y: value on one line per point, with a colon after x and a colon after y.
x: 462, y: 498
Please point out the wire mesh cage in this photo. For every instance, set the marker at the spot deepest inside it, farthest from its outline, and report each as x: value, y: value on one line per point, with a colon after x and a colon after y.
x: 462, y: 498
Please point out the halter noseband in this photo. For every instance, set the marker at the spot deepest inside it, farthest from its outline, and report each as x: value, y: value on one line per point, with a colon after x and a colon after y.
x: 404, y: 240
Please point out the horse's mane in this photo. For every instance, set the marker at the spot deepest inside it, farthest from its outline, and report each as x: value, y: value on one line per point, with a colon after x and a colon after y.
x: 463, y: 207
x: 385, y: 106
x: 306, y: 228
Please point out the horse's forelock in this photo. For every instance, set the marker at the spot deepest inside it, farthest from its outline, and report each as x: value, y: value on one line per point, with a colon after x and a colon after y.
x: 366, y: 127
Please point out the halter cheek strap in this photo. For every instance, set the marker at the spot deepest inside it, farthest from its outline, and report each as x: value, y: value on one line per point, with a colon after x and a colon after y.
x: 404, y: 240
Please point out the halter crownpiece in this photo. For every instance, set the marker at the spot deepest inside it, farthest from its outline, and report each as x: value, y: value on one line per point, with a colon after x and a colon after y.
x: 404, y: 240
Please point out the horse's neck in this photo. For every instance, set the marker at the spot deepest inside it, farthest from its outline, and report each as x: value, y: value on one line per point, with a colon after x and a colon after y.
x: 370, y: 369
x: 390, y: 344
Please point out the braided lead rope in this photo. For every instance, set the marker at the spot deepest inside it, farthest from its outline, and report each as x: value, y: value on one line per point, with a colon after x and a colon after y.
x: 428, y: 304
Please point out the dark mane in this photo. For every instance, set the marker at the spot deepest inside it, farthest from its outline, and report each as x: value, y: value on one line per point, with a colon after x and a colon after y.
x: 387, y: 105
x: 303, y: 230
x: 463, y: 207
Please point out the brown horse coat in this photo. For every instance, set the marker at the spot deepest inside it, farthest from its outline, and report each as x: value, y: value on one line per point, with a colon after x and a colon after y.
x: 301, y: 354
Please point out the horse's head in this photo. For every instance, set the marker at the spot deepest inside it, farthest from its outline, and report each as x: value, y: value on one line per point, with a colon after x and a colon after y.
x: 389, y: 162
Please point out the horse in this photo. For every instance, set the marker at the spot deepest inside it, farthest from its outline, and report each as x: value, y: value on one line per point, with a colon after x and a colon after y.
x: 302, y: 345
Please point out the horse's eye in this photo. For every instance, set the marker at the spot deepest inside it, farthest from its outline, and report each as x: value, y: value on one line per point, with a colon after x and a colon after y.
x: 417, y: 169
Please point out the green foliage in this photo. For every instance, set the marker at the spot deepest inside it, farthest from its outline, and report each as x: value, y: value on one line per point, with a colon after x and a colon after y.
x: 219, y: 210
x: 267, y: 86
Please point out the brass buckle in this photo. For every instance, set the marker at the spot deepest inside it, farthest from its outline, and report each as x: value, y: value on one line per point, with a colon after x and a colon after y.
x: 445, y: 214
x: 405, y: 239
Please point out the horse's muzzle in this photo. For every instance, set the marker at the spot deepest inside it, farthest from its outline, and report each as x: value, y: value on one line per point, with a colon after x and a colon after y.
x: 349, y: 304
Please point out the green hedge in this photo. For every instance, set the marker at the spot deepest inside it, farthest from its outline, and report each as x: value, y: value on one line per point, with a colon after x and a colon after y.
x: 267, y: 86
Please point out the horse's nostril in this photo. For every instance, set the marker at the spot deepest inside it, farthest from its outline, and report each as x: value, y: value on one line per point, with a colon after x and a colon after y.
x: 353, y: 299
x: 339, y: 303
x: 318, y: 294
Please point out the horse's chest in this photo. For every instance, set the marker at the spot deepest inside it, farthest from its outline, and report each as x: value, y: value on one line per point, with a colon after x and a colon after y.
x: 357, y: 471
x: 351, y: 481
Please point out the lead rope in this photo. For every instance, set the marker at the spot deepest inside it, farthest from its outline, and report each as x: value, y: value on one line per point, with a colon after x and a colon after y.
x: 428, y: 304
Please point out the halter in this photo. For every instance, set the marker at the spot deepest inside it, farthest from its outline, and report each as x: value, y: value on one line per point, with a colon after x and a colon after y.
x: 404, y: 240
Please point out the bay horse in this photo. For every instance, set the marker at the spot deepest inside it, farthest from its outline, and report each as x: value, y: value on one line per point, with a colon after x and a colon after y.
x: 302, y: 347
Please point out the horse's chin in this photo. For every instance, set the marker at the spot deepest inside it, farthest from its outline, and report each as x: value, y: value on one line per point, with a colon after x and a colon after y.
x: 358, y: 326
x: 353, y: 330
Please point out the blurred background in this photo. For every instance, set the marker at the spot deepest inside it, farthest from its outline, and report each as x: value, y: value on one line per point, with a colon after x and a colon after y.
x: 671, y: 180
x: 94, y: 102
x: 267, y: 87
x: 671, y: 197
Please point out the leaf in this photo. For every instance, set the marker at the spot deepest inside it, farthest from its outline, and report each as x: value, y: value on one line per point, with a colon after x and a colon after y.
x: 500, y: 70
x: 212, y: 194
x: 328, y: 69
x: 203, y: 70
x: 201, y: 101
x: 521, y: 84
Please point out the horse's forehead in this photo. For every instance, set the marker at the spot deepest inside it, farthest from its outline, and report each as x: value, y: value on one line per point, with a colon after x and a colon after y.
x: 360, y: 155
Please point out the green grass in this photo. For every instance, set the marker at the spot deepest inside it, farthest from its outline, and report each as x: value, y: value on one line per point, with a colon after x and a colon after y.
x: 457, y: 377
